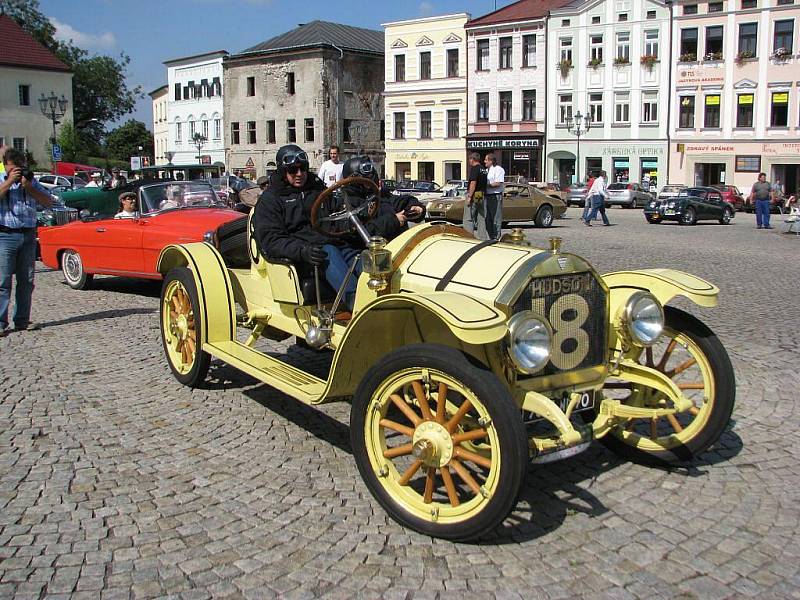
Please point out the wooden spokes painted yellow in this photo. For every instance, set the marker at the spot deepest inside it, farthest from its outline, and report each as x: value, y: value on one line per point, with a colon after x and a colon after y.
x: 179, y: 327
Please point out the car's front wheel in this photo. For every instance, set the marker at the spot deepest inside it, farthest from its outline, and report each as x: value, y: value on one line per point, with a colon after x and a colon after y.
x: 439, y: 441
x: 181, y: 326
x: 544, y: 218
x: 726, y: 217
x: 72, y: 268
x: 689, y: 217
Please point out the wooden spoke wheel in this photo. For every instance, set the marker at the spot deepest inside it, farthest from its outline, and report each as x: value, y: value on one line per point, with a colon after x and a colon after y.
x: 693, y: 357
x: 329, y: 213
x: 439, y: 441
x: 180, y: 328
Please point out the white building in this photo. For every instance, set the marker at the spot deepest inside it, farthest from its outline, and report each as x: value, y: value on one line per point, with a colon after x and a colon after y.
x: 195, y: 106
x: 160, y: 125
x: 609, y: 59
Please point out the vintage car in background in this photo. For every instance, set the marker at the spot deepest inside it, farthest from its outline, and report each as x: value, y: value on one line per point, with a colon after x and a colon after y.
x: 66, y: 181
x: 455, y: 187
x: 463, y: 360
x: 521, y: 202
x: 628, y: 195
x: 732, y: 195
x: 229, y: 186
x: 424, y: 191
x: 689, y: 206
x: 130, y: 247
x: 389, y: 185
x: 551, y: 189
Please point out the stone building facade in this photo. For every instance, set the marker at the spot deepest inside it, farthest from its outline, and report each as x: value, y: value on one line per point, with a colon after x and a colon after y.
x: 317, y: 85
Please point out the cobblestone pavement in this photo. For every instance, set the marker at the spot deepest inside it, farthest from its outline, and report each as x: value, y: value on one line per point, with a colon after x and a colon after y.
x: 116, y: 482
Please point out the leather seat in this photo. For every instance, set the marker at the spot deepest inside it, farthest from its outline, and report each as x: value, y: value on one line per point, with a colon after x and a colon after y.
x: 308, y: 288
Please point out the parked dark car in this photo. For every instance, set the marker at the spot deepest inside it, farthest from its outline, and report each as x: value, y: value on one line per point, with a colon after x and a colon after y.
x: 389, y: 185
x: 689, y: 206
x: 732, y: 195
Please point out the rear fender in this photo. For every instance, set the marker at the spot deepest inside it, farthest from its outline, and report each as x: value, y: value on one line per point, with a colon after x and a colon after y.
x: 396, y: 320
x: 214, y: 290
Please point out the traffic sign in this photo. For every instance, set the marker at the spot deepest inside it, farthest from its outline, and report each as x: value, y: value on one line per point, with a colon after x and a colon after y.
x: 56, y: 152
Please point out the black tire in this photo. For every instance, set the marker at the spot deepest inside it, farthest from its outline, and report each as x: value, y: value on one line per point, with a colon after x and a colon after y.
x: 723, y: 402
x: 652, y: 220
x: 544, y: 216
x: 726, y: 217
x: 196, y: 374
x: 689, y: 217
x: 493, y: 396
x: 74, y: 274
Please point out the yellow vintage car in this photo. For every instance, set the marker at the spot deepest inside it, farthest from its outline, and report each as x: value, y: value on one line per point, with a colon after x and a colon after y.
x: 463, y: 360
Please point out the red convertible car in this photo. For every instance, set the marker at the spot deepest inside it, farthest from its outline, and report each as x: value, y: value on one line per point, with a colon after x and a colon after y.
x: 173, y: 212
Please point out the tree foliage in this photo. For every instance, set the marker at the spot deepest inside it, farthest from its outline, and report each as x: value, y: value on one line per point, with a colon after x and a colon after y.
x: 124, y: 141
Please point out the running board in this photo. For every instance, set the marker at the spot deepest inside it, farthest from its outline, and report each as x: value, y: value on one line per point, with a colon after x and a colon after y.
x: 286, y: 378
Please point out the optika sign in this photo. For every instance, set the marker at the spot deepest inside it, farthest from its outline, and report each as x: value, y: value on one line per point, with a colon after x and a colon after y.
x: 500, y: 143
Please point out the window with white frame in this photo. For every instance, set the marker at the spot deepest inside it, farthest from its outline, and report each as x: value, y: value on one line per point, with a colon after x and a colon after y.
x: 623, y: 47
x: 622, y: 107
x: 650, y: 107
x: 205, y: 128
x: 506, y: 52
x: 178, y: 127
x: 192, y: 129
x: 566, y: 49
x: 483, y: 55
x: 596, y: 107
x: 651, y: 42
x: 529, y: 50
x: 564, y: 108
x: 482, y: 103
x: 425, y: 125
x: 452, y: 123
x: 596, y: 49
x: 528, y: 105
x: 217, y: 129
x: 19, y: 144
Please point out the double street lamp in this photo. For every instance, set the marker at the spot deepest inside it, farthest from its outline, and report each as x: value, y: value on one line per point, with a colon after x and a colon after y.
x: 579, y: 125
x: 53, y: 108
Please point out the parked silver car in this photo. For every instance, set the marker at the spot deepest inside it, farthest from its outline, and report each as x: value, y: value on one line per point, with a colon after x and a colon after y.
x: 630, y: 195
x: 577, y: 194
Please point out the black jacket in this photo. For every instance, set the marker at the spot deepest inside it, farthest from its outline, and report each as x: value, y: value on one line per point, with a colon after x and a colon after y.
x: 282, y: 218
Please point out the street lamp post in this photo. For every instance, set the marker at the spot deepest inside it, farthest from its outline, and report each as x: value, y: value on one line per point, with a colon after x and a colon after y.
x: 579, y: 125
x: 53, y: 108
x: 199, y: 140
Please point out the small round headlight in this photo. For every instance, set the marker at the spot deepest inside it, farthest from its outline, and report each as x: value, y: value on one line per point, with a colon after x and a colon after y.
x: 48, y: 214
x: 644, y: 319
x: 210, y: 237
x: 529, y: 341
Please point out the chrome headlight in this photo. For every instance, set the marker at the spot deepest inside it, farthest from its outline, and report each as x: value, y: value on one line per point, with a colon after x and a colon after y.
x: 529, y: 341
x: 48, y: 214
x: 671, y: 205
x: 210, y: 237
x: 643, y: 319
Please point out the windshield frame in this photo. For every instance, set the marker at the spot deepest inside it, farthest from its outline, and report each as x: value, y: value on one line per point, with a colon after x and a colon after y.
x: 146, y: 200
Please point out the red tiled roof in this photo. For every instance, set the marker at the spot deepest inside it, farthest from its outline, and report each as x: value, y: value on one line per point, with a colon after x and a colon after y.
x: 518, y: 11
x: 19, y: 49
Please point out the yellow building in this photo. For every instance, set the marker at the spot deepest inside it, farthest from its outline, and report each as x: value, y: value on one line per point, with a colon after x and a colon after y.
x: 426, y: 98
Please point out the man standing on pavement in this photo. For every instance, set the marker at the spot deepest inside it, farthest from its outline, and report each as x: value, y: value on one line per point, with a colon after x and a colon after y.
x: 474, y: 204
x: 761, y: 195
x: 19, y: 193
x: 331, y: 170
x: 495, y: 186
x: 598, y: 193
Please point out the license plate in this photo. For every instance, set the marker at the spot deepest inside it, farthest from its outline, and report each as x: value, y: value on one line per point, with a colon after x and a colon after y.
x: 585, y: 403
x: 669, y: 212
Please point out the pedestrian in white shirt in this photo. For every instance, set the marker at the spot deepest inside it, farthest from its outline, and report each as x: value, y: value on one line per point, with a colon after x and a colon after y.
x: 598, y: 193
x: 331, y: 170
x: 495, y: 185
x: 97, y: 180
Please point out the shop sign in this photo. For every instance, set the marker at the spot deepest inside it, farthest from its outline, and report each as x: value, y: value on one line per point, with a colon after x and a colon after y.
x: 622, y: 164
x: 780, y: 98
x: 700, y: 76
x: 712, y: 100
x: 502, y: 143
x: 522, y: 155
x: 781, y: 148
x: 633, y: 150
x: 708, y: 148
x: 410, y: 156
x: 745, y: 99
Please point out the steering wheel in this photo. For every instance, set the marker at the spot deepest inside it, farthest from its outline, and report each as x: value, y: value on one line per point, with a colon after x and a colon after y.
x: 333, y: 212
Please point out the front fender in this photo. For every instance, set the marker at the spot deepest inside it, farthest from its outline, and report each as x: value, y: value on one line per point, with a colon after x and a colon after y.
x: 396, y: 320
x: 664, y: 284
x: 214, y: 290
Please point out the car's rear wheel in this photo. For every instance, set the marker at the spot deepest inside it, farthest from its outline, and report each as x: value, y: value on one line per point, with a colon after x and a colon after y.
x: 72, y: 268
x: 689, y: 217
x: 726, y: 217
x: 544, y: 218
x: 439, y: 441
x: 181, y: 325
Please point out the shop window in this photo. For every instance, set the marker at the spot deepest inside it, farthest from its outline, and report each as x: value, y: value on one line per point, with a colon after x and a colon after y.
x: 399, y: 126
x: 528, y: 105
x: 424, y: 65
x: 483, y: 55
x: 453, y: 118
x: 779, y: 115
x: 482, y: 102
x: 748, y: 40
x: 686, y: 112
x: 744, y: 110
x: 529, y: 50
x: 688, y: 48
x: 622, y: 170
x: 400, y: 67
x: 505, y: 106
x: 452, y: 62
x: 711, y: 119
x: 425, y: 125
x: 506, y: 53
x: 784, y: 36
x: 714, y: 42
x: 596, y: 108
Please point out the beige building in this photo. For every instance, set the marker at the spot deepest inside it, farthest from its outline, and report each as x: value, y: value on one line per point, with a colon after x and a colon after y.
x: 160, y: 124
x: 426, y: 98
x: 316, y: 85
x: 29, y: 71
x: 736, y: 93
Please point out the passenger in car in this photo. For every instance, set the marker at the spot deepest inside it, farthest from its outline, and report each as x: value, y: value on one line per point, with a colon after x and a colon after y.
x: 127, y: 206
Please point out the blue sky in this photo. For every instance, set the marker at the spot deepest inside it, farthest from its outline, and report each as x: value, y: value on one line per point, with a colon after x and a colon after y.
x: 151, y: 31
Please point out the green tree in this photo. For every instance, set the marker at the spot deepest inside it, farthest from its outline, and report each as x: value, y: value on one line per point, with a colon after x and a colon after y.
x: 124, y: 141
